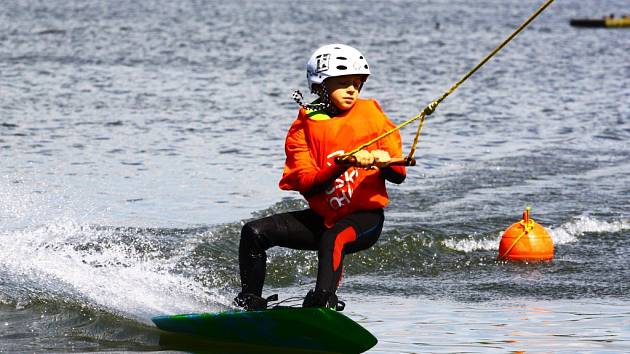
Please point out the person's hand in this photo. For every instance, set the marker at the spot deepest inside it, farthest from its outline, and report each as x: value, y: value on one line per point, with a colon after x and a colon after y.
x: 364, y: 158
x: 381, y: 158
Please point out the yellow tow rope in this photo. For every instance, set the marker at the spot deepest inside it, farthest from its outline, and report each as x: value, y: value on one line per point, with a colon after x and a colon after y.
x: 431, y: 107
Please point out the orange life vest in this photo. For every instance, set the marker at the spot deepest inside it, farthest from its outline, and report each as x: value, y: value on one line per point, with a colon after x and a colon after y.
x: 312, y: 143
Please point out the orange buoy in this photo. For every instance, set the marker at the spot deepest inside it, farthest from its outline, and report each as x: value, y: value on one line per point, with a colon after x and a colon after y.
x: 526, y: 241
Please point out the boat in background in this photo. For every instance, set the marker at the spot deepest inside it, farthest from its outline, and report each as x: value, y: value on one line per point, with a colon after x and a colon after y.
x: 606, y: 22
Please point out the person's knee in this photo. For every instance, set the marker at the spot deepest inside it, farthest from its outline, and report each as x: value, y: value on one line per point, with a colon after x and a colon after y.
x: 252, y: 236
x: 334, y: 243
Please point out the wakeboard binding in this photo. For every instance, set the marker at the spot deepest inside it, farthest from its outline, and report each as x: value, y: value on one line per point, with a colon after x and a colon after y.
x: 323, y: 298
x: 253, y: 302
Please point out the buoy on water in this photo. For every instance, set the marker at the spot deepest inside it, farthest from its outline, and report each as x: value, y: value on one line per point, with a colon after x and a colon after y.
x: 526, y: 240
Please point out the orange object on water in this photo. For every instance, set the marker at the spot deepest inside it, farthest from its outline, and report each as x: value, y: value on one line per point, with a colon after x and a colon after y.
x: 526, y: 241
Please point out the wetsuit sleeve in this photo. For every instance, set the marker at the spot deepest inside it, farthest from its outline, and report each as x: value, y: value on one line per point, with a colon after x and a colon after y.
x: 300, y: 170
x: 393, y: 145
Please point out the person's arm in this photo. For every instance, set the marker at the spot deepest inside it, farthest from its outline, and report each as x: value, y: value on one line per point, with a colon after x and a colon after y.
x: 300, y: 171
x: 394, y: 174
x: 323, y: 179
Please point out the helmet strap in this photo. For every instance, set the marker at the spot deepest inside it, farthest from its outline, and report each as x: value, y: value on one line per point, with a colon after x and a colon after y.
x: 299, y: 99
x: 324, y: 103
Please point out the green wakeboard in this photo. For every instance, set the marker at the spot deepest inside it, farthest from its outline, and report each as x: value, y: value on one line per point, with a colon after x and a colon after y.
x: 309, y: 329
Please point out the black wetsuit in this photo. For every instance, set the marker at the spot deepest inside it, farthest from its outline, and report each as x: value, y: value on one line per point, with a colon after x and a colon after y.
x: 305, y: 230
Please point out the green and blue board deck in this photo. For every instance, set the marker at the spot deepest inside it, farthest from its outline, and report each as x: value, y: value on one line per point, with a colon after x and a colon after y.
x: 289, y: 330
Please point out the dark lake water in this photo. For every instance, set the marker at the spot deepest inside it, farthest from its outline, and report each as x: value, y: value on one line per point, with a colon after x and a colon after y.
x: 137, y: 137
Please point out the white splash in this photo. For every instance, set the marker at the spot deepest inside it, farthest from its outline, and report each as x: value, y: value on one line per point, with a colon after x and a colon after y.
x: 585, y: 224
x: 473, y: 243
x: 52, y: 260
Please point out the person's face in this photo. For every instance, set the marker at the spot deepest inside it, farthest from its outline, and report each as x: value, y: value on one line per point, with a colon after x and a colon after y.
x: 344, y: 90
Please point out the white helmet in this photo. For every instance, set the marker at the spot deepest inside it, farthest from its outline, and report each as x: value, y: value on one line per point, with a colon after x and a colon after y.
x: 335, y: 60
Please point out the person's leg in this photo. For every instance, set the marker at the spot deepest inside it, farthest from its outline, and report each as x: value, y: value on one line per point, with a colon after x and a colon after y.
x: 297, y: 230
x: 355, y: 232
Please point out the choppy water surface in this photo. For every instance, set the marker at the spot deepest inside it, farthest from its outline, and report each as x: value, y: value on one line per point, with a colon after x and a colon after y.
x: 135, y: 138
